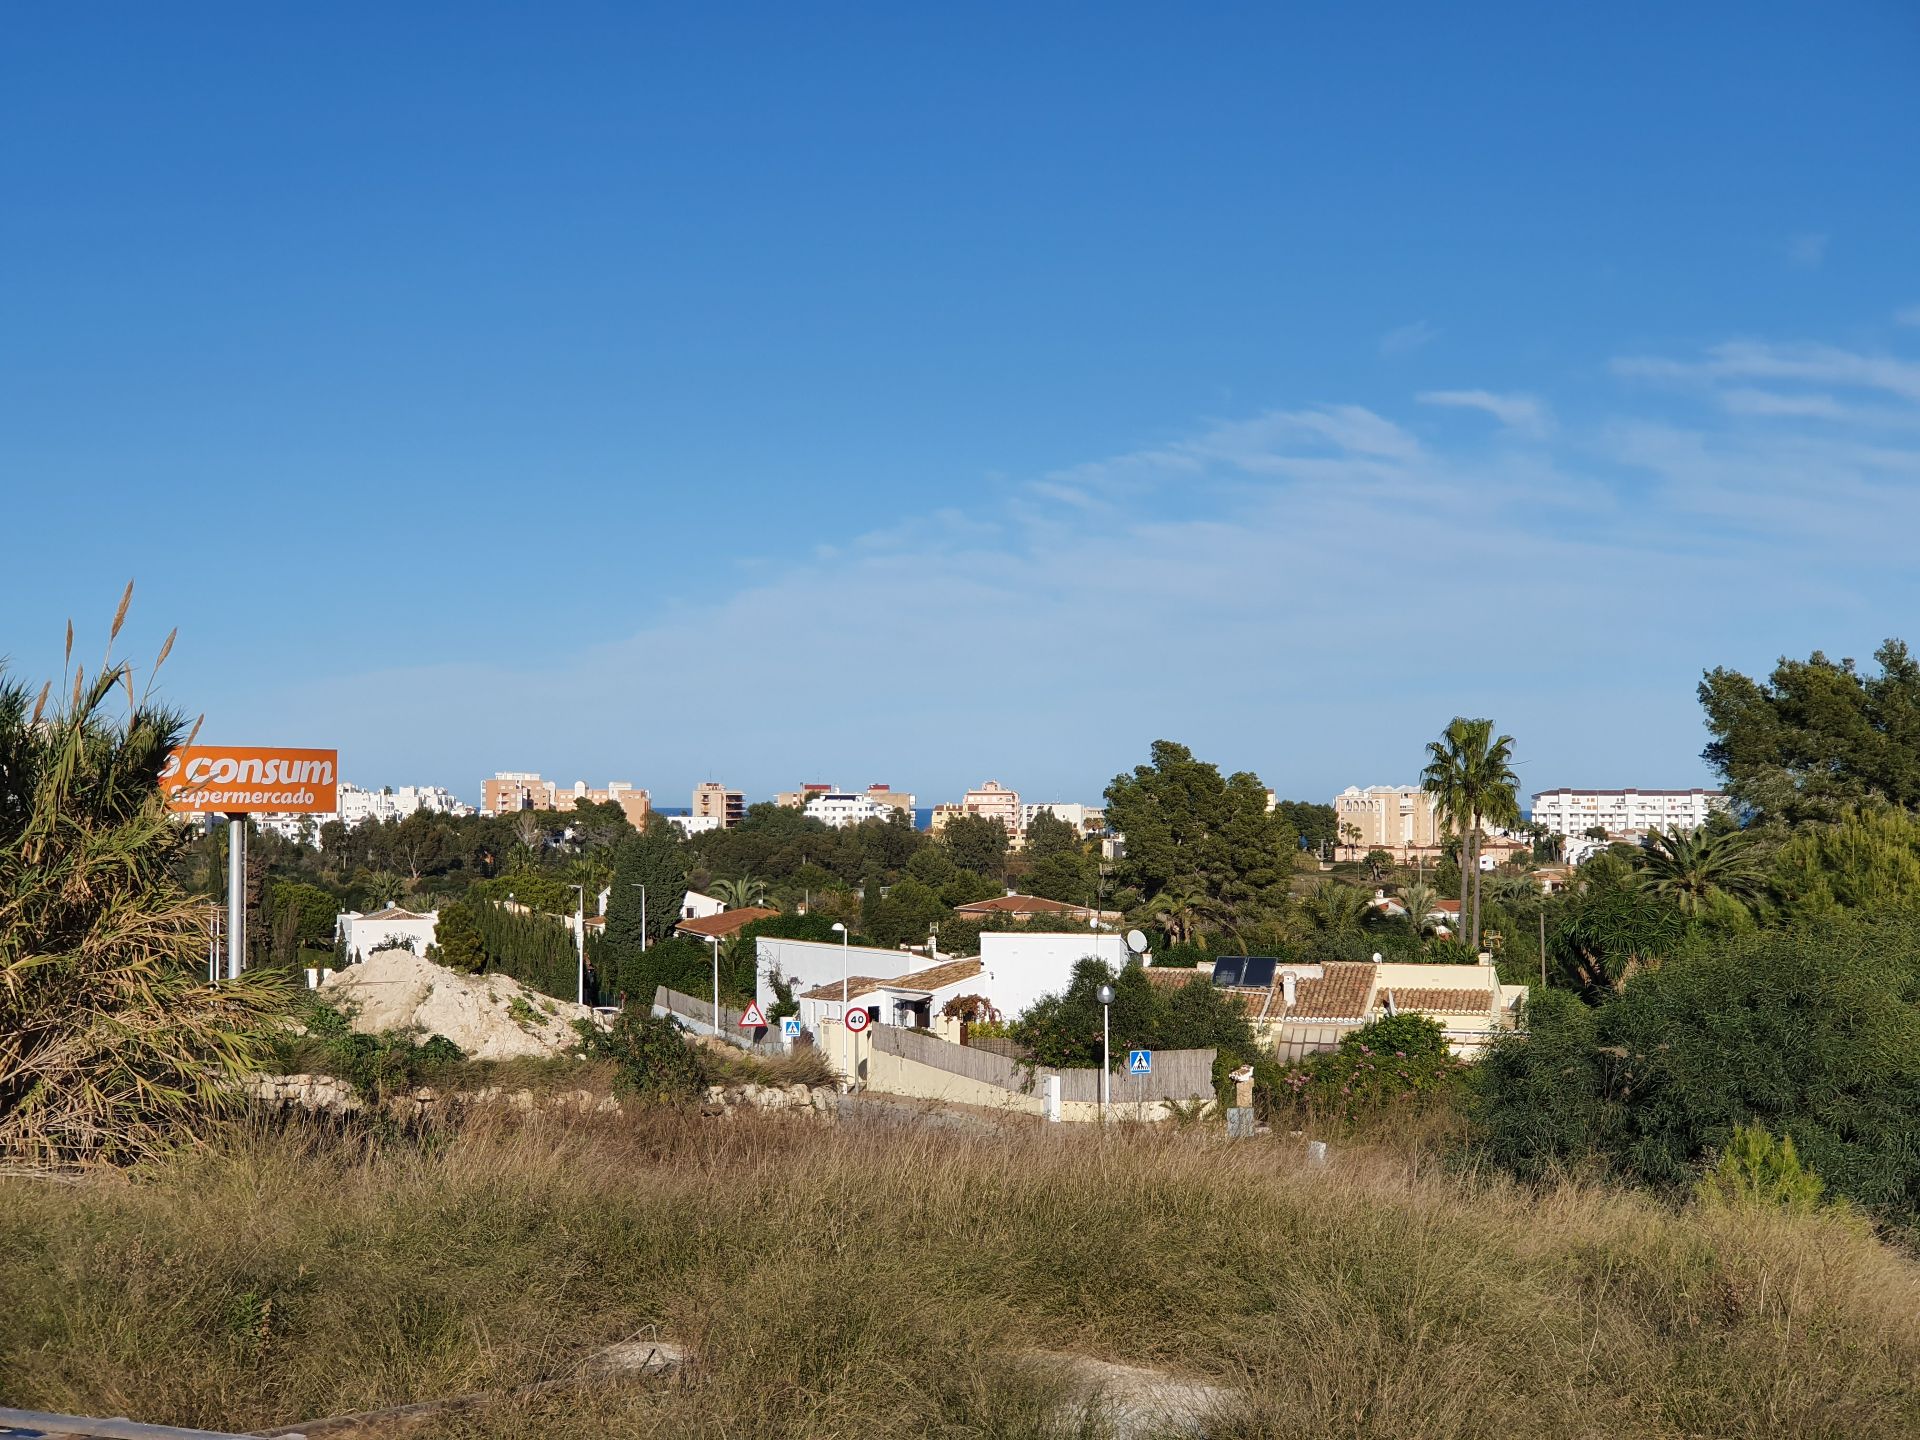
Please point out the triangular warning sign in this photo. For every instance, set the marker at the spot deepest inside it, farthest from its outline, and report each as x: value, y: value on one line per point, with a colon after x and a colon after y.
x: 753, y: 1018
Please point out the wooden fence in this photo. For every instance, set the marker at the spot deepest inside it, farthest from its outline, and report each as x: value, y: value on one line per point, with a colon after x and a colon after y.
x: 1176, y: 1075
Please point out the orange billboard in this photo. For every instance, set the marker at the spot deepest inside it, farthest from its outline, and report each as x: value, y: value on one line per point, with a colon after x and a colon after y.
x: 243, y: 779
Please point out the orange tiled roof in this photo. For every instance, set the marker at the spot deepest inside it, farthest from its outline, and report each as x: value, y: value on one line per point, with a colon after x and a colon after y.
x: 1341, y: 992
x: 934, y: 976
x: 1444, y: 1002
x: 856, y: 985
x: 1018, y: 905
x: 727, y: 922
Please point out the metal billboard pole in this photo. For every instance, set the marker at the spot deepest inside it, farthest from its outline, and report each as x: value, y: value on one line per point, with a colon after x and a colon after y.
x: 236, y: 893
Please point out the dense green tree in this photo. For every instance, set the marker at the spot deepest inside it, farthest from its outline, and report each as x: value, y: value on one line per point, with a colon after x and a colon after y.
x: 1204, y: 844
x: 1470, y: 772
x: 1050, y: 835
x: 1066, y: 875
x: 456, y: 937
x: 313, y: 911
x: 1817, y: 738
x: 1868, y: 860
x: 1313, y: 823
x: 904, y: 914
x: 1064, y: 1029
x: 657, y: 860
x: 1811, y: 1033
x: 977, y: 843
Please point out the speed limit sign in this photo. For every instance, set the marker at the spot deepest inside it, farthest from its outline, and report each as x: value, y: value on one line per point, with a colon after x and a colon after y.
x: 858, y: 1020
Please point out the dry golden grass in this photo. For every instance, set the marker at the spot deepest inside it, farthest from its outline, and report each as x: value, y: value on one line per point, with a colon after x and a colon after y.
x: 886, y: 1280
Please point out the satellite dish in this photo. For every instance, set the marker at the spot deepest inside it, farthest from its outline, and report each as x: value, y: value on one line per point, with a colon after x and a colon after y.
x: 1136, y: 942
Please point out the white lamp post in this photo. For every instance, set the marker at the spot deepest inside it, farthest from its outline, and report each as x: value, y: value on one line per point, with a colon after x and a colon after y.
x: 846, y: 1062
x: 1105, y: 996
x: 580, y: 938
x: 643, y: 914
x: 714, y: 940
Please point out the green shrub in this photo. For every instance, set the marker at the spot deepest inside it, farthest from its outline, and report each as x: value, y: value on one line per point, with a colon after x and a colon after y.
x: 1397, y: 1063
x: 1760, y: 1172
x: 653, y: 1057
x: 375, y: 1065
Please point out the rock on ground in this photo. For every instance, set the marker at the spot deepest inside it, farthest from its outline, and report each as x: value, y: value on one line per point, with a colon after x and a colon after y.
x: 490, y: 1017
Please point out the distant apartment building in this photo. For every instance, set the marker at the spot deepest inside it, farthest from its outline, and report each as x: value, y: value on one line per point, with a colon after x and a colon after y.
x: 994, y: 801
x: 1403, y: 820
x: 510, y: 791
x: 695, y: 824
x: 1572, y: 813
x: 797, y: 799
x: 1085, y: 819
x: 713, y: 801
x: 357, y: 806
x: 837, y: 807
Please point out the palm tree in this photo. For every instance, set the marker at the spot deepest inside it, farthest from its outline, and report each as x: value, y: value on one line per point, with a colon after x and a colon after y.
x: 1689, y: 868
x: 1419, y: 898
x: 738, y: 894
x: 112, y: 1044
x: 1335, y: 909
x: 1470, y: 773
x: 1515, y: 890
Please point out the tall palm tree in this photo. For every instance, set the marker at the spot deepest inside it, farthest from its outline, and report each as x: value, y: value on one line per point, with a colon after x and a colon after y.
x: 1470, y: 773
x: 1690, y: 867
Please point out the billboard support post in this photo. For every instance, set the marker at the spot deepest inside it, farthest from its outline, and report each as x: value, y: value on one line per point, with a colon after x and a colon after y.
x: 236, y: 893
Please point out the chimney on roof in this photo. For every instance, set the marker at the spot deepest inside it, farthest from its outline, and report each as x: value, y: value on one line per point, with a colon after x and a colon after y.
x: 1289, y: 983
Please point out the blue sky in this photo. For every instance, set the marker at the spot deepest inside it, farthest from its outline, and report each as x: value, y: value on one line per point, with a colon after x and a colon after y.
x: 777, y: 393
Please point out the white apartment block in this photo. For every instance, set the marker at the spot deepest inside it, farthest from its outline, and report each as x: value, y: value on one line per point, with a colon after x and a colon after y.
x: 843, y: 807
x: 356, y: 806
x: 1085, y: 819
x: 1624, y: 812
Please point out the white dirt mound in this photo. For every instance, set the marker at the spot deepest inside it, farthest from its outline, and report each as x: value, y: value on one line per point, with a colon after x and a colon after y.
x: 490, y: 1017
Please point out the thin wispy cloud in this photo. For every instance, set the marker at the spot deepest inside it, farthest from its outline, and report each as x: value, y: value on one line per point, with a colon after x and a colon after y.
x: 1234, y: 565
x: 1408, y: 338
x: 1525, y: 414
x: 1910, y: 315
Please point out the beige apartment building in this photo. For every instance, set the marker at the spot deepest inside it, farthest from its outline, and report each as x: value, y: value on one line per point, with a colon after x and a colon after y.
x: 1403, y: 820
x: 994, y: 801
x: 713, y: 801
x: 513, y: 790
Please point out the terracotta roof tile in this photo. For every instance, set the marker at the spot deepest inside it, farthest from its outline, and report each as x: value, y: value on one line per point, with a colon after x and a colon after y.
x: 857, y: 985
x: 934, y: 976
x: 1175, y: 977
x: 1443, y: 1002
x: 1018, y: 905
x: 728, y: 922
x: 1341, y: 993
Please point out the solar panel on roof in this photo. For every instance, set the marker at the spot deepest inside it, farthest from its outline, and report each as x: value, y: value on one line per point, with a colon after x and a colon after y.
x: 1252, y: 971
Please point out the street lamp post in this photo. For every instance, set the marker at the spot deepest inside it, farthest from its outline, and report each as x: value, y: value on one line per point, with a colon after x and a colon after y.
x: 1105, y: 996
x: 643, y: 914
x: 846, y: 1063
x: 580, y: 937
x: 714, y: 940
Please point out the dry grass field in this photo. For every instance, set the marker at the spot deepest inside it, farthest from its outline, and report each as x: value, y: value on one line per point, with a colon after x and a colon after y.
x: 863, y: 1280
